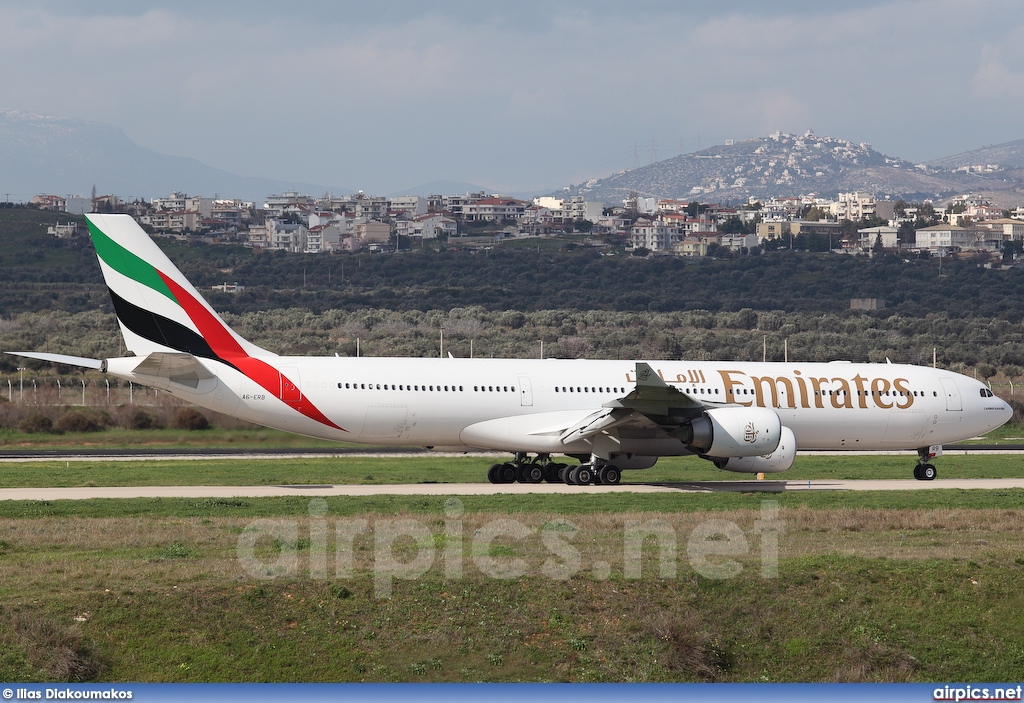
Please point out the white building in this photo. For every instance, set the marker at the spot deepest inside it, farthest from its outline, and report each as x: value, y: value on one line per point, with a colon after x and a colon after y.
x: 428, y: 226
x: 945, y: 237
x: 853, y: 206
x: 654, y: 236
x: 870, y: 235
x: 408, y: 205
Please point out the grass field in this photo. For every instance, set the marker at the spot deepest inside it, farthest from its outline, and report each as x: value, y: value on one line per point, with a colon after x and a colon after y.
x: 262, y: 438
x: 804, y: 586
x: 434, y: 468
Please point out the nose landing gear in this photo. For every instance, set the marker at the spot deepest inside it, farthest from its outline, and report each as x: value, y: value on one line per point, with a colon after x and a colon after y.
x: 925, y: 470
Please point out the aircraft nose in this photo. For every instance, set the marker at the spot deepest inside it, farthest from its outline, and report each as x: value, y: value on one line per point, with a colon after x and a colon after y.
x: 1006, y: 412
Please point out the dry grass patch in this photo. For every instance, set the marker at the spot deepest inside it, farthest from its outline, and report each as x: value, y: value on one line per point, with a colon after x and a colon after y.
x: 57, y: 650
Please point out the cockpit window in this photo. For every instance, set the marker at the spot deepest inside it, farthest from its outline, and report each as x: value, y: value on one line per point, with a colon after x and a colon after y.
x: 986, y: 393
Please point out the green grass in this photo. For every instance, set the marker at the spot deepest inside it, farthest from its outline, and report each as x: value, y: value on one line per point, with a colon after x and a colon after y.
x: 241, y: 439
x: 433, y: 468
x: 871, y: 586
x: 826, y: 618
x: 162, y: 600
x: 561, y: 504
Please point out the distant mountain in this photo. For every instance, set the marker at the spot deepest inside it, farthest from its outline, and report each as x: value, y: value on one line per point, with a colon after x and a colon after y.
x: 1009, y: 156
x: 443, y: 188
x: 783, y: 165
x: 62, y: 156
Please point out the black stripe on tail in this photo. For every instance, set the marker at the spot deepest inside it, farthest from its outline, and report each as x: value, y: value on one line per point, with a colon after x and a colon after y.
x: 161, y: 330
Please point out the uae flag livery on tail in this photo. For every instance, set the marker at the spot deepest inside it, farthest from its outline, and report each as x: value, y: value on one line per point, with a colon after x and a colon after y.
x: 158, y: 310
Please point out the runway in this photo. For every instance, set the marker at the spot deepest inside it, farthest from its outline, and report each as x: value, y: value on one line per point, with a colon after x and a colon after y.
x: 487, y: 489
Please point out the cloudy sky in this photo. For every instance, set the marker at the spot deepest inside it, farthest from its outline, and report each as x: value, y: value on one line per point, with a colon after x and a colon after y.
x: 513, y: 96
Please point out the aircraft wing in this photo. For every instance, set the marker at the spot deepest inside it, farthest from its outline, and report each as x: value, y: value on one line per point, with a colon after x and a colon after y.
x: 652, y: 406
x: 61, y: 359
x: 658, y: 400
x: 652, y: 410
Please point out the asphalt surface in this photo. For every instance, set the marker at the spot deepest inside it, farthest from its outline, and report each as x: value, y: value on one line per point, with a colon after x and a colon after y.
x: 477, y: 489
x: 92, y: 454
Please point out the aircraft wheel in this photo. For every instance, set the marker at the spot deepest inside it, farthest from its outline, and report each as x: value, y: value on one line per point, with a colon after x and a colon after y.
x: 584, y: 474
x: 530, y: 473
x: 493, y: 473
x: 609, y: 474
x: 928, y: 472
x: 563, y: 473
x: 507, y: 472
x: 551, y: 473
x: 571, y: 476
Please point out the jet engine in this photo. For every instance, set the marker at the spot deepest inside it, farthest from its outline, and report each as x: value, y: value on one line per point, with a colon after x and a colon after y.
x: 724, y: 433
x: 776, y: 462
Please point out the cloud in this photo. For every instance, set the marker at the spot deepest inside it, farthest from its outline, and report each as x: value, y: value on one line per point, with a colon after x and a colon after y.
x: 512, y: 95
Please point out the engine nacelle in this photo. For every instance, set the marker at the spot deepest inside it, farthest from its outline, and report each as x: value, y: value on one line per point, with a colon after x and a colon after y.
x: 774, y: 463
x: 723, y: 433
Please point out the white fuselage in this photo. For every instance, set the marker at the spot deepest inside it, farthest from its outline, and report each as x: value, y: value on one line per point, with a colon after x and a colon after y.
x: 429, y: 402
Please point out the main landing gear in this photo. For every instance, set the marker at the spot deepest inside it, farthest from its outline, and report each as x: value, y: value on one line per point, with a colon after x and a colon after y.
x: 523, y: 469
x: 925, y: 470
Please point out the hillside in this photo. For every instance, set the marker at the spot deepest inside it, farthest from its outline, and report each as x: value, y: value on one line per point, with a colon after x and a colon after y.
x: 44, y: 154
x: 785, y: 165
x: 1009, y: 155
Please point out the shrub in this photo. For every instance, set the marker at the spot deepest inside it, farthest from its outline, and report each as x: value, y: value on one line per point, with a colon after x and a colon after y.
x: 59, y: 651
x: 36, y: 423
x: 189, y: 419
x: 78, y: 421
x: 142, y: 420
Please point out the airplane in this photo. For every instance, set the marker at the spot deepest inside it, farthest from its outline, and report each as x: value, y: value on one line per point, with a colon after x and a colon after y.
x: 610, y: 416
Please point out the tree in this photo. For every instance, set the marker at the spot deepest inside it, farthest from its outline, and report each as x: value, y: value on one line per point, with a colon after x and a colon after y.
x: 906, y: 234
x: 733, y: 225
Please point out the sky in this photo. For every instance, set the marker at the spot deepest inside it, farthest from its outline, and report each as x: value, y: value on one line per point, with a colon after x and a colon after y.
x: 514, y: 96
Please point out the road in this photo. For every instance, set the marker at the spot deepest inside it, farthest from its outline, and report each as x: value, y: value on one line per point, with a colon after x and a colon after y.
x: 480, y: 489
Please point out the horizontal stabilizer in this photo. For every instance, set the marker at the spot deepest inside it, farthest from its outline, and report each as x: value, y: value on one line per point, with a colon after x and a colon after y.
x: 62, y: 359
x: 173, y: 367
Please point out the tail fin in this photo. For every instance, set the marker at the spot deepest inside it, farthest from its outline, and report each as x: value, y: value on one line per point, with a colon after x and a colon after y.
x: 157, y: 309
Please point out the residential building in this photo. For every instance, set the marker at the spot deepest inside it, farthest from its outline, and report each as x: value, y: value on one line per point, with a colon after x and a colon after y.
x: 372, y: 232
x: 429, y: 226
x: 853, y: 206
x: 493, y: 210
x: 654, y: 236
x: 691, y: 246
x: 286, y: 235
x: 172, y: 221
x: 1009, y: 228
x: 738, y: 242
x: 408, y: 205
x: 889, y: 237
x: 279, y: 205
x: 946, y: 237
x: 772, y: 229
